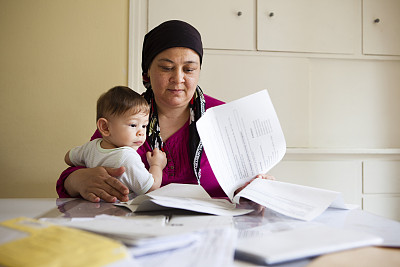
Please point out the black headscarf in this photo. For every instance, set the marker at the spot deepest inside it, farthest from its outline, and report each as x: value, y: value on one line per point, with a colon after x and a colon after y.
x: 173, y: 33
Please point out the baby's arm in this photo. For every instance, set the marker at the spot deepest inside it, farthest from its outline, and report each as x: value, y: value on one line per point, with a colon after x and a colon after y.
x: 68, y: 160
x: 157, y: 161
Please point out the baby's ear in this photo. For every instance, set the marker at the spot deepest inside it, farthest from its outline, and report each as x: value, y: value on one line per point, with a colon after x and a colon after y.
x: 102, y: 125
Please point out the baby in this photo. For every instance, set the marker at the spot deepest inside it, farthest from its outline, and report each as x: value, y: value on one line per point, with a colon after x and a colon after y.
x: 122, y: 118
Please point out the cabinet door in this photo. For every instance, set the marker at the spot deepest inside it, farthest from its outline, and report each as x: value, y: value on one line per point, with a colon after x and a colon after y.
x: 381, y: 27
x: 382, y: 188
x: 320, y: 26
x: 223, y: 24
x: 381, y: 177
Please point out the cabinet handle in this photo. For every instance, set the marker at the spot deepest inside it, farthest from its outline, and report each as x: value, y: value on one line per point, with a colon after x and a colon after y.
x: 271, y: 14
x: 240, y: 13
x: 377, y: 20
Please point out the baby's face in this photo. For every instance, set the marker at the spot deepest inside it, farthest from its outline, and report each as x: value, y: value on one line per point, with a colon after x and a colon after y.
x: 128, y: 129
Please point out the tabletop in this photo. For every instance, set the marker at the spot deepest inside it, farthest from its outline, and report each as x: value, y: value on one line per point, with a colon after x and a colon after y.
x: 266, y: 220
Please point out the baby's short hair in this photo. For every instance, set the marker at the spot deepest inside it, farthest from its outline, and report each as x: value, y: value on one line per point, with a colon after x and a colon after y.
x: 119, y: 100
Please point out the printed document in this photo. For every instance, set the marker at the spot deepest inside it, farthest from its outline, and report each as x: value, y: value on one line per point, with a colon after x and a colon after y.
x: 244, y: 138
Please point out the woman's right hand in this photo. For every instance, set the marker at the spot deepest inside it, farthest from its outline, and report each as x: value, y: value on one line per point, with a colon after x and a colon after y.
x: 97, y: 183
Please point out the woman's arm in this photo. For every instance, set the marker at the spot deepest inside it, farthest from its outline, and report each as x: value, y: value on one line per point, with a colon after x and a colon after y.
x: 68, y: 160
x: 97, y: 183
x: 60, y: 188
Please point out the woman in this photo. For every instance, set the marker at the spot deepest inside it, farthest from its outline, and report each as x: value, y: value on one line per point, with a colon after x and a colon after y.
x: 171, y: 62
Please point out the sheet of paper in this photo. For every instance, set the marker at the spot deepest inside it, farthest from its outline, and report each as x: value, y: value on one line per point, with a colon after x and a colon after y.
x: 297, y: 201
x: 194, y: 222
x: 172, y: 190
x: 47, y: 244
x: 181, y: 190
x: 214, y: 247
x: 301, y: 242
x: 137, y: 230
x: 133, y: 227
x: 183, y: 196
x: 242, y: 138
x: 196, y: 226
x: 214, y: 206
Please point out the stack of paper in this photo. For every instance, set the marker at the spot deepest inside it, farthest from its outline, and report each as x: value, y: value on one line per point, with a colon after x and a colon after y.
x: 197, y: 240
x: 301, y: 242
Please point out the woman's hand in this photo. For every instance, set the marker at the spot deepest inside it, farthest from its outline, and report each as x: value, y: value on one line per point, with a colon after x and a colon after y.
x: 265, y: 176
x: 262, y: 176
x: 258, y: 209
x: 97, y: 183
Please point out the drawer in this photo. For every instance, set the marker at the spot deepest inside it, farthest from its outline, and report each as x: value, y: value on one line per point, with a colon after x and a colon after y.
x: 381, y: 176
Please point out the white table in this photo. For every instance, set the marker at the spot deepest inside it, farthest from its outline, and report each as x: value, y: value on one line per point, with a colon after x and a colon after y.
x: 389, y: 230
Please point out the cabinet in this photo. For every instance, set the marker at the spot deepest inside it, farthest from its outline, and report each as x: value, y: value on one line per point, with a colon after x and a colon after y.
x: 381, y: 27
x: 311, y: 26
x: 381, y: 177
x: 223, y: 24
x: 317, y: 26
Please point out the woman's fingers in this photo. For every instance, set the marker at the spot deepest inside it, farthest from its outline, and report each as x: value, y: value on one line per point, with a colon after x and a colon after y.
x: 266, y: 176
x: 115, y: 172
x: 100, y: 183
x: 91, y: 197
x: 117, y: 189
x: 113, y: 188
x: 107, y: 197
x: 117, y: 185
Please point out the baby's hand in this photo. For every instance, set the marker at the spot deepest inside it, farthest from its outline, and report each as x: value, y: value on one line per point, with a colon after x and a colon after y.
x: 157, y: 157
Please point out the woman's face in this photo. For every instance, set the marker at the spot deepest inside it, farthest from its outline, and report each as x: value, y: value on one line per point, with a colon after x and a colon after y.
x: 174, y: 74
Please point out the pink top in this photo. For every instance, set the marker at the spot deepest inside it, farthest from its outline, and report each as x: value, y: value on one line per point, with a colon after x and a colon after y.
x: 178, y: 169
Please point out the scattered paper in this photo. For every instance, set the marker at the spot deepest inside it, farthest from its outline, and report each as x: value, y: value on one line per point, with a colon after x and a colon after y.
x: 301, y: 242
x: 214, y: 247
x: 183, y: 196
x: 297, y: 201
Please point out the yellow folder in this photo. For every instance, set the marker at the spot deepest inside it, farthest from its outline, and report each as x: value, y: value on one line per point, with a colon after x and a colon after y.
x: 37, y: 243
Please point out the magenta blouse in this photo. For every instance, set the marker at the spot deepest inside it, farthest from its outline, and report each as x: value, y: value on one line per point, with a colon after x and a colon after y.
x: 178, y: 169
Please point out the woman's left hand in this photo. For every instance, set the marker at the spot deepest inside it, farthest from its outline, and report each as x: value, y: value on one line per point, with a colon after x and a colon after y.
x: 258, y: 209
x: 265, y: 176
x: 262, y: 176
